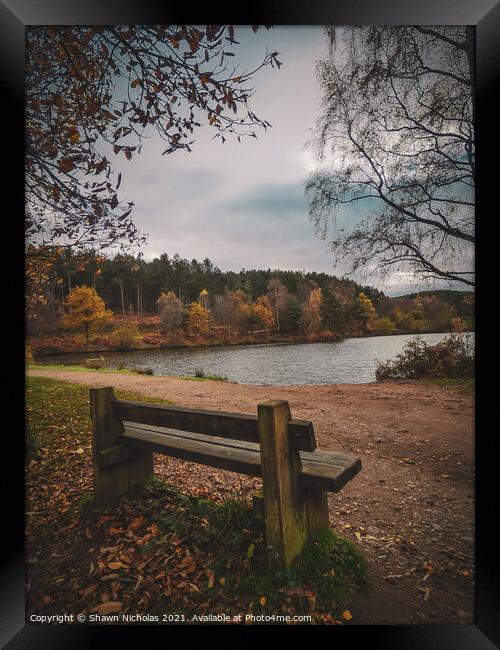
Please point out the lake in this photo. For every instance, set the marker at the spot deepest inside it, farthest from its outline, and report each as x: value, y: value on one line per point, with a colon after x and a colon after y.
x: 352, y: 361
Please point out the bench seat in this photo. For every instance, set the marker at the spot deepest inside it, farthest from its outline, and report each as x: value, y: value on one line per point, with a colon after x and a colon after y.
x: 325, y: 470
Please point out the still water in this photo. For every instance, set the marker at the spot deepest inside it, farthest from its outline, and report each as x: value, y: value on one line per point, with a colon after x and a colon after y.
x: 352, y: 361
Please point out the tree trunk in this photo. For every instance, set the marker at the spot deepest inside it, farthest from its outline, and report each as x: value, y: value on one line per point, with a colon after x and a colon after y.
x: 123, y: 300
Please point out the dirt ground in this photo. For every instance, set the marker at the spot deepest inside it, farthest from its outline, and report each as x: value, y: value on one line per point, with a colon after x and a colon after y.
x: 411, y: 509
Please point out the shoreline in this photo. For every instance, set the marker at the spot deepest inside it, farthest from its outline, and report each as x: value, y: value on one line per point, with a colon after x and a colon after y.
x: 229, y: 343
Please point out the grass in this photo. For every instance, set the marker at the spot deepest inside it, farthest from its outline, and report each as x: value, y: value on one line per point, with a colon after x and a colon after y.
x: 122, y: 371
x: 328, y: 572
x: 200, y: 375
x: 464, y: 386
x: 60, y: 366
x: 205, y: 378
x: 225, y: 539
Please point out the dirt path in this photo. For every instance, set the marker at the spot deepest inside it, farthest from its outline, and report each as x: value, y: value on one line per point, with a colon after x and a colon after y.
x: 411, y: 509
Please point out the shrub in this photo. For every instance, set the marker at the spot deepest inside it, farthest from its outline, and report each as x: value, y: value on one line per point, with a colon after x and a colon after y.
x: 152, y: 339
x: 383, y: 326
x: 124, y: 336
x: 201, y: 374
x: 453, y: 357
x: 144, y: 371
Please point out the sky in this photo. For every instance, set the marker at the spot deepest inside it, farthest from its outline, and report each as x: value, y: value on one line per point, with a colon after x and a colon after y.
x: 242, y: 204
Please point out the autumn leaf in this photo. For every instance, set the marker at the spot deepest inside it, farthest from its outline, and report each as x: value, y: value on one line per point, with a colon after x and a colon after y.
x: 137, y: 523
x: 65, y: 165
x: 108, y: 608
x: 346, y: 615
x: 117, y: 565
x: 262, y: 600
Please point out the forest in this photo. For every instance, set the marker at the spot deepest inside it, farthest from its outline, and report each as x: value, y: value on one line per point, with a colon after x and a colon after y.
x: 125, y: 302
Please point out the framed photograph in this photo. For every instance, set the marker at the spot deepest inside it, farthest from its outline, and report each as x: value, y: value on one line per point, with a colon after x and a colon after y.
x: 250, y: 392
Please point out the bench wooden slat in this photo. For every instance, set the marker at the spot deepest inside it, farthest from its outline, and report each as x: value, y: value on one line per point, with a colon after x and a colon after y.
x: 243, y: 461
x: 236, y: 426
x: 318, y: 456
x: 326, y: 470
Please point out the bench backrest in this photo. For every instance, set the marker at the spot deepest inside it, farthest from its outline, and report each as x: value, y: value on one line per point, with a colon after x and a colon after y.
x: 233, y: 426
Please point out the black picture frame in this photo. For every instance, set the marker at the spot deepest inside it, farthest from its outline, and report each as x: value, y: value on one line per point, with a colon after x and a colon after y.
x: 485, y: 15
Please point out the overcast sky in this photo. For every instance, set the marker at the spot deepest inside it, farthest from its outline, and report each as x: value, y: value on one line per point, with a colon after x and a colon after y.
x: 242, y: 204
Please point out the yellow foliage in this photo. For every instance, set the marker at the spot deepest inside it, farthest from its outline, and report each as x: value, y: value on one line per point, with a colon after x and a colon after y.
x: 198, y: 316
x: 263, y: 313
x: 85, y: 309
x: 311, y: 315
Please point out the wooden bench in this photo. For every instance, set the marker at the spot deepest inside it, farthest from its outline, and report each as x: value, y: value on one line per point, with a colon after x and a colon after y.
x: 273, y: 445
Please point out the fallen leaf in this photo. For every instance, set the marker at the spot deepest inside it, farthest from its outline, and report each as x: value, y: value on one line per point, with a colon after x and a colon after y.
x: 346, y: 615
x: 262, y: 600
x: 137, y: 522
x: 108, y: 608
x: 117, y: 565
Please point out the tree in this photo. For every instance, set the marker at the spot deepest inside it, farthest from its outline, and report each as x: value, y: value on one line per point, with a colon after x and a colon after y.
x: 331, y: 312
x: 198, y: 319
x: 170, y: 310
x: 292, y: 319
x: 203, y: 298
x: 398, y: 128
x: 384, y: 326
x: 311, y: 315
x: 86, y: 310
x: 365, y: 311
x: 96, y: 91
x: 277, y: 294
x: 263, y: 313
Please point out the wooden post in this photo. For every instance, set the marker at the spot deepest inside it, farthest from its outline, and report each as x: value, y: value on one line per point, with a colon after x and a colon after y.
x: 116, y: 468
x: 258, y: 504
x: 284, y: 501
x: 317, y: 510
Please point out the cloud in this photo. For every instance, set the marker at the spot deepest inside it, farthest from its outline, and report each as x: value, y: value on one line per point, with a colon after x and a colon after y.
x: 279, y: 200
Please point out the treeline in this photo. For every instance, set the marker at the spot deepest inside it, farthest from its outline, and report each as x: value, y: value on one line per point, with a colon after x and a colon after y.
x: 197, y: 297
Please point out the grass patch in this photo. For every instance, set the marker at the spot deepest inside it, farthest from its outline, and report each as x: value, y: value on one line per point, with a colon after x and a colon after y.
x: 200, y: 375
x: 120, y: 370
x: 60, y: 366
x: 464, y: 386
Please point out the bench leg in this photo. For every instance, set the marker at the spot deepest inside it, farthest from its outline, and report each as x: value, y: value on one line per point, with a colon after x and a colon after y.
x: 317, y: 510
x: 258, y: 504
x: 112, y: 481
x: 284, y: 499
